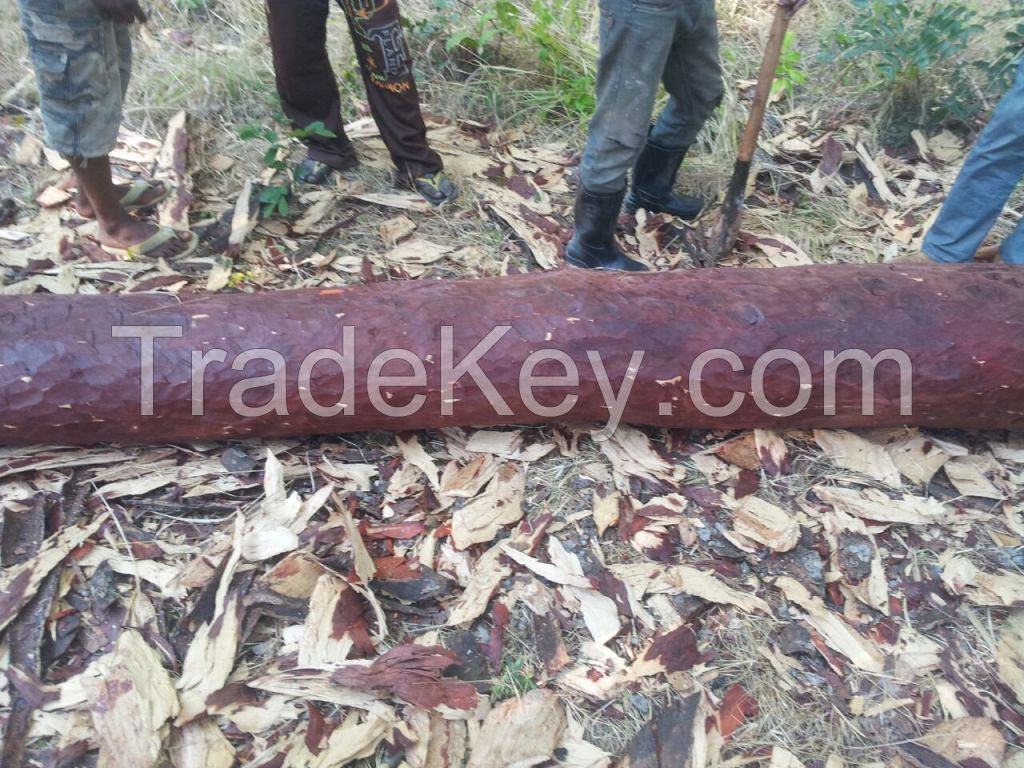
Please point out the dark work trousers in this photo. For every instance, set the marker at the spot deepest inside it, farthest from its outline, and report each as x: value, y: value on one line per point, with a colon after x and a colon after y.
x: 309, y: 91
x: 644, y: 43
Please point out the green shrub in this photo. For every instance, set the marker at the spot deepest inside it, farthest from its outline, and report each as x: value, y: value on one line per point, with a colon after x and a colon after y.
x: 274, y: 196
x: 790, y: 72
x: 1001, y: 68
x: 548, y: 35
x: 914, y: 48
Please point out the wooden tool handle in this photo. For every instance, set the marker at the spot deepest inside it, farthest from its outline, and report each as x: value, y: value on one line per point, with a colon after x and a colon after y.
x: 765, y: 80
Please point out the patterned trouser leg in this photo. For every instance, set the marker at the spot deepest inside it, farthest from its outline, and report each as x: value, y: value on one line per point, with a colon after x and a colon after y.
x: 386, y: 66
x: 82, y: 65
x: 309, y: 92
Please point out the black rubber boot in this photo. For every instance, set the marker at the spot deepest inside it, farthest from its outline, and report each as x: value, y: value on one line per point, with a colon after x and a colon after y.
x: 593, y: 244
x: 654, y: 176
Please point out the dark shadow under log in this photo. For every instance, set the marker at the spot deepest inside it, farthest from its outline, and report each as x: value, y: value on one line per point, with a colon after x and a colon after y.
x: 949, y: 341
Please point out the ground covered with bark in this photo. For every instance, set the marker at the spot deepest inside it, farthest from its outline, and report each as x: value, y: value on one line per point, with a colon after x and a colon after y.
x: 527, y: 597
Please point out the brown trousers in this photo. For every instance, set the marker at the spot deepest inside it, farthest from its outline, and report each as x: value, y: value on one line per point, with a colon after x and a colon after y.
x: 309, y: 91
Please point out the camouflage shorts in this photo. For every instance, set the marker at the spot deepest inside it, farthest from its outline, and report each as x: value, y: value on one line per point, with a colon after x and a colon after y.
x: 82, y: 65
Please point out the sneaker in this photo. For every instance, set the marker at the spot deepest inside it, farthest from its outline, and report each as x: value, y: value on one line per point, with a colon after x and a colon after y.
x: 436, y: 188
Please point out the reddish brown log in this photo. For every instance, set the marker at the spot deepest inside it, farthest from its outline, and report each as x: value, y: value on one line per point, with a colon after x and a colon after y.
x: 65, y: 379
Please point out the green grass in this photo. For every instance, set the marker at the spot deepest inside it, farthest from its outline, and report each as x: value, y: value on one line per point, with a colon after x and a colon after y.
x: 515, y: 679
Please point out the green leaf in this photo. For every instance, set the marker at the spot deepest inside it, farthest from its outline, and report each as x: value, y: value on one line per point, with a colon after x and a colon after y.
x: 250, y: 131
x: 456, y: 40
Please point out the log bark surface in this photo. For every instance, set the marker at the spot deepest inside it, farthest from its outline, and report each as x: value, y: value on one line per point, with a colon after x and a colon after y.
x: 65, y: 379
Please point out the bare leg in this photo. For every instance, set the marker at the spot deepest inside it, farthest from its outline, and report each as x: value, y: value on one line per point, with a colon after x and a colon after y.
x: 154, y: 192
x: 118, y: 228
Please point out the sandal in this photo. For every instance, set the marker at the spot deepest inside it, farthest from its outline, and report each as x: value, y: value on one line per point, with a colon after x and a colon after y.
x: 162, y: 236
x: 136, y: 191
x: 436, y: 188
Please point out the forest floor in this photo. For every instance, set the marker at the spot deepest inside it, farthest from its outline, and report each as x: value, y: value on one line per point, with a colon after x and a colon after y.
x: 665, y: 598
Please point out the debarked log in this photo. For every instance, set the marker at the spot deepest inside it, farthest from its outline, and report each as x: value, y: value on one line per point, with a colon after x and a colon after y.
x: 834, y: 346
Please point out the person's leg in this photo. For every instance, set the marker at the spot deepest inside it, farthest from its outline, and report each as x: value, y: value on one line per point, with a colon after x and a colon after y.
x: 1012, y: 249
x: 146, y: 194
x: 137, y: 195
x: 118, y: 228
x: 636, y: 37
x: 305, y: 79
x: 991, y: 172
x: 79, y: 63
x: 386, y: 67
x: 693, y: 79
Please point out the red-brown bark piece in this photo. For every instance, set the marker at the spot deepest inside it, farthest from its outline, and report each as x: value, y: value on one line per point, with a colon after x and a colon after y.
x: 412, y: 673
x: 64, y: 378
x: 667, y: 740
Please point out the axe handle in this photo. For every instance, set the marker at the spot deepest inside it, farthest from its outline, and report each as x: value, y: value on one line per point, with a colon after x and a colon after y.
x: 723, y: 233
x: 765, y: 80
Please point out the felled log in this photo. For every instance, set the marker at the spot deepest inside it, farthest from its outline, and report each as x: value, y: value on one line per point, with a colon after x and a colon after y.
x: 71, y: 367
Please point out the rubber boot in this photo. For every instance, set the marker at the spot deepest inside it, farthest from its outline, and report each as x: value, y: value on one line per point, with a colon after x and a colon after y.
x: 654, y: 176
x: 593, y: 244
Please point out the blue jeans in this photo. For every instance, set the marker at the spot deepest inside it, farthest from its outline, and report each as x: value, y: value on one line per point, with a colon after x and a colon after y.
x: 992, y: 171
x: 645, y: 43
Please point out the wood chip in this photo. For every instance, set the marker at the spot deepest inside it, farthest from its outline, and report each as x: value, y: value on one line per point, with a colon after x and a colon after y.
x: 872, y: 504
x: 413, y: 453
x: 632, y: 455
x: 839, y: 635
x: 29, y: 152
x: 51, y: 197
x: 853, y: 452
x: 1001, y: 588
x: 521, y: 731
x: 479, y: 520
x: 201, y: 745
x: 548, y: 571
x: 606, y: 508
x: 682, y: 579
x: 917, y: 458
x: 131, y: 699
x: 172, y: 164
x: 211, y: 654
x: 19, y: 583
x: 328, y: 639
x: 393, y: 231
x: 1010, y: 654
x: 765, y: 523
x: 970, y: 476
x: 969, y: 739
x: 488, y: 573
